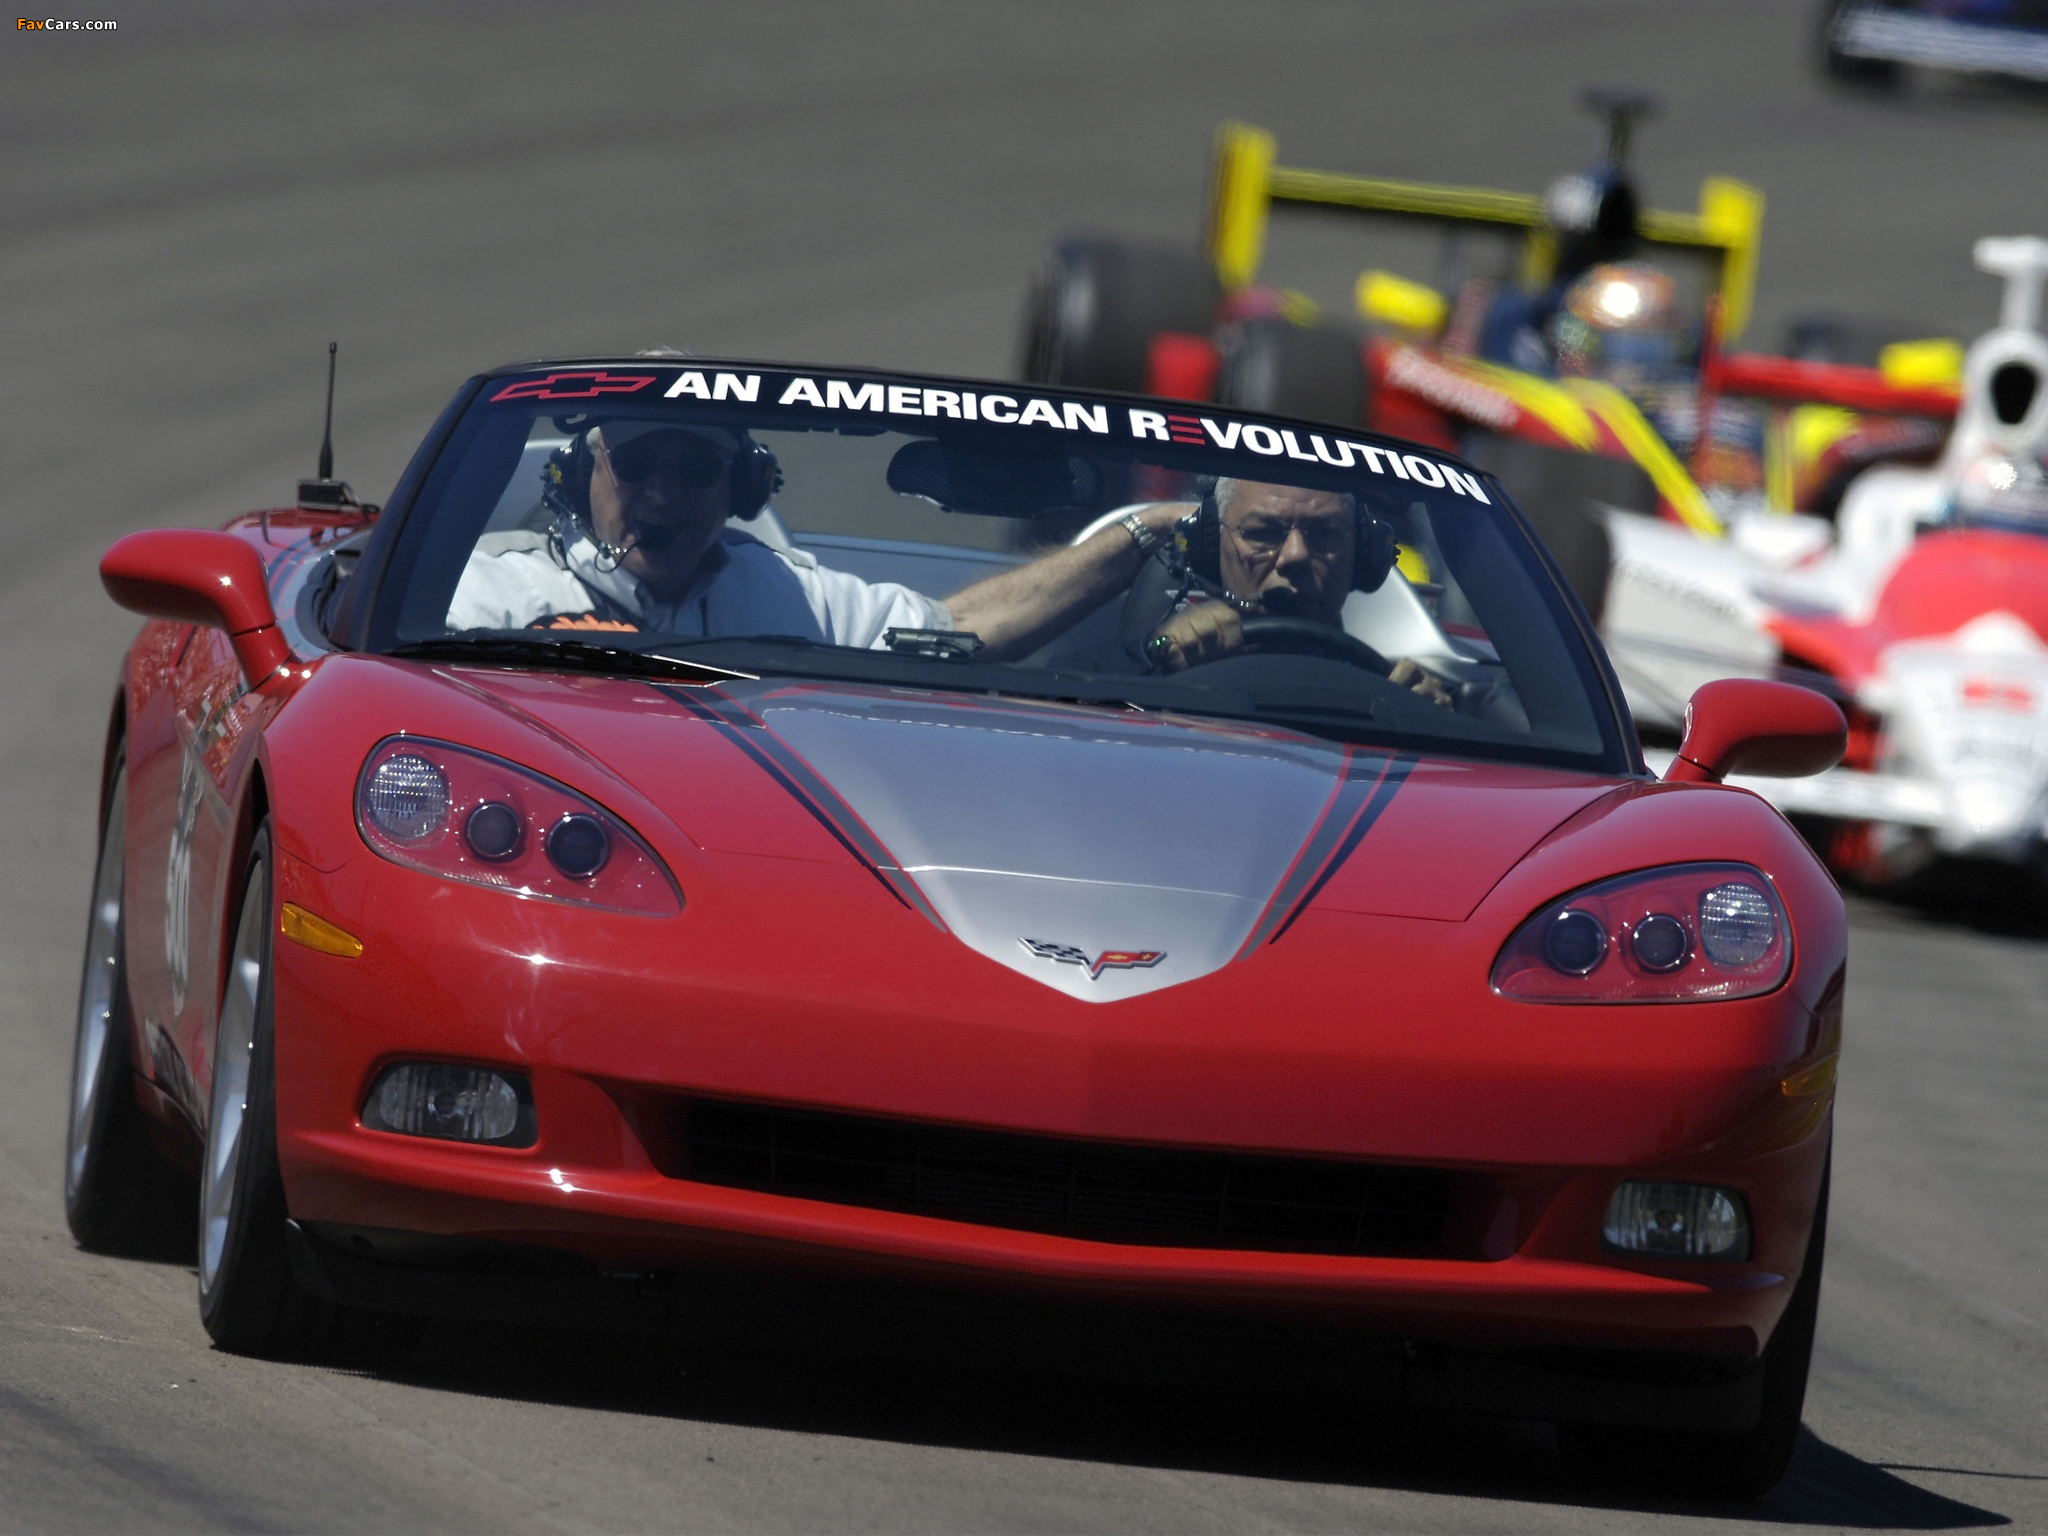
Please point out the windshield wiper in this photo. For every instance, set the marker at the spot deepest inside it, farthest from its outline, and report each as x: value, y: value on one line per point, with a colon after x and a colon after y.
x: 567, y: 656
x: 1314, y: 711
x: 933, y: 644
x: 1310, y: 704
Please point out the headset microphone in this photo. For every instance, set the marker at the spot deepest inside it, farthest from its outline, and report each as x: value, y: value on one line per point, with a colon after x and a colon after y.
x: 755, y: 477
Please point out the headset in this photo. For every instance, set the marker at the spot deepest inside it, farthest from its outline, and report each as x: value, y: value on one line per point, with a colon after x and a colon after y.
x: 565, y: 482
x: 1199, y: 537
x: 1193, y: 561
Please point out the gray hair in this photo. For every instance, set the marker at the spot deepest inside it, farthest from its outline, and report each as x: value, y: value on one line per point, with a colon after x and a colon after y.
x: 1226, y: 487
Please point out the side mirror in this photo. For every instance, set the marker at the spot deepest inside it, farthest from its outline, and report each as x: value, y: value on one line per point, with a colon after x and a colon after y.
x: 1775, y: 730
x: 190, y: 576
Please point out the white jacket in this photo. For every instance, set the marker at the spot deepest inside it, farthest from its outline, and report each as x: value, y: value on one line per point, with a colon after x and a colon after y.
x: 744, y: 587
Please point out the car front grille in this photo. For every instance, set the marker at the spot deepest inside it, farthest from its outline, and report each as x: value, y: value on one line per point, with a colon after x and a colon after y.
x: 1101, y: 1191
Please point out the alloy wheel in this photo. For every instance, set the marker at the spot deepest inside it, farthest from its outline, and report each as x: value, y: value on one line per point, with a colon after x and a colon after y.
x: 234, y: 1053
x: 96, y: 995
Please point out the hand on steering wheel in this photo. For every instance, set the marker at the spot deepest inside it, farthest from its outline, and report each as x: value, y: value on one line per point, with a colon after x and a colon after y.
x: 1208, y: 632
x: 1199, y: 633
x: 1410, y: 674
x: 1205, y: 632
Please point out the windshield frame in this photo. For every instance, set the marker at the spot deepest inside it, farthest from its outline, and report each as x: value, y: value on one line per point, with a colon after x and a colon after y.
x: 403, y: 533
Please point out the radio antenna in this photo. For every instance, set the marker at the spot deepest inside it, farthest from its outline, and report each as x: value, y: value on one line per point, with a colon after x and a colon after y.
x: 325, y: 493
x: 327, y: 430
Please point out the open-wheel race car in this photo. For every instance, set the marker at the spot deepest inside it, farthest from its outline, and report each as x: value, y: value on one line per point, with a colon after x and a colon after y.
x: 1921, y: 605
x: 1576, y: 343
x: 694, y: 826
x: 1881, y: 45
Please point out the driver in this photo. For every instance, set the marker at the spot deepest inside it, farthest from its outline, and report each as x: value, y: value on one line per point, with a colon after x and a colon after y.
x: 1285, y: 551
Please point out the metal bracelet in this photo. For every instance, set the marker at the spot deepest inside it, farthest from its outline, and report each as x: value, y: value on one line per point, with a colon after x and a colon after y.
x: 1142, y: 536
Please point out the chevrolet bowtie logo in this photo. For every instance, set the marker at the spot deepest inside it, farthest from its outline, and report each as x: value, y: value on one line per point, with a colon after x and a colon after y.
x: 1108, y: 960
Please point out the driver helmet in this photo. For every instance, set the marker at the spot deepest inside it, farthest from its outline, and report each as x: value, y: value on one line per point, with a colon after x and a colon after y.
x: 1620, y: 322
x: 1994, y: 490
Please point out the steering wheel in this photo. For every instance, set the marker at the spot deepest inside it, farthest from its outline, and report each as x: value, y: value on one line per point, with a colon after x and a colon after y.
x: 1305, y: 637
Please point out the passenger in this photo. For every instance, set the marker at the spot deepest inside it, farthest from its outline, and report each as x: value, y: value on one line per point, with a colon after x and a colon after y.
x: 641, y: 543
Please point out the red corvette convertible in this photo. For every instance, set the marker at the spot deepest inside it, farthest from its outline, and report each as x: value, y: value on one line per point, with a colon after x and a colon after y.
x: 976, y: 836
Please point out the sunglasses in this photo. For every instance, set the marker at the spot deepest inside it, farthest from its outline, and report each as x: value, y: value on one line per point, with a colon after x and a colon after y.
x: 1325, y: 537
x: 689, y: 458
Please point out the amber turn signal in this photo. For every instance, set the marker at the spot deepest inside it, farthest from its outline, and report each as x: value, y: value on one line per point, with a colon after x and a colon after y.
x: 1817, y: 1078
x: 302, y: 927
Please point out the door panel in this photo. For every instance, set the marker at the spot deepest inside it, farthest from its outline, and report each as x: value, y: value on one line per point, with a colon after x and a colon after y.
x: 214, y: 713
x: 154, y: 754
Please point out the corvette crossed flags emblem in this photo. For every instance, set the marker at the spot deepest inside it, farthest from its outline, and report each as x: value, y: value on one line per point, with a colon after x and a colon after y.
x: 1108, y: 960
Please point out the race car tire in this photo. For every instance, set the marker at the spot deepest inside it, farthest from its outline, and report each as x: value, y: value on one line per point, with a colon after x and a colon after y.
x: 248, y: 1299
x: 1561, y: 493
x: 1293, y: 370
x: 1096, y: 302
x: 117, y: 1186
x: 1721, y: 1465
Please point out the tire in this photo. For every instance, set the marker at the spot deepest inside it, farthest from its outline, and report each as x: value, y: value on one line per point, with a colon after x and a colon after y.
x: 1095, y: 303
x: 1719, y: 1466
x: 248, y: 1299
x: 1291, y: 370
x: 117, y: 1187
x: 1561, y: 492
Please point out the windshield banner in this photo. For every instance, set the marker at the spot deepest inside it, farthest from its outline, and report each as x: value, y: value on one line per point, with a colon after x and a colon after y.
x: 1129, y: 424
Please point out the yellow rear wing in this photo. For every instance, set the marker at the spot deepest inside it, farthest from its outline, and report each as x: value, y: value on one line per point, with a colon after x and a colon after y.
x: 1245, y: 184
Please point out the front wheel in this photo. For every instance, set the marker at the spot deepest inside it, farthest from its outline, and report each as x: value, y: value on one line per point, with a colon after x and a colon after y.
x: 115, y: 1182
x: 248, y: 1299
x: 1721, y: 1465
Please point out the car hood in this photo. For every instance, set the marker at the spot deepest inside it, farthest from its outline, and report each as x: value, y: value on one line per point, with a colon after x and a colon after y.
x: 1099, y: 851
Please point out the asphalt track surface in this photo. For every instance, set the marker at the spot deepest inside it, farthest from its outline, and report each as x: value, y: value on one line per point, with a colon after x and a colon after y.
x: 192, y: 206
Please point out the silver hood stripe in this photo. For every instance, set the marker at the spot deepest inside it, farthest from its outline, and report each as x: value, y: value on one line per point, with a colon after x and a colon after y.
x: 745, y: 730
x: 1005, y: 822
x: 1370, y: 782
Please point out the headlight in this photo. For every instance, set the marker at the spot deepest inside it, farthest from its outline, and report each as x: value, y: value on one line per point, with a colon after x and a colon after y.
x: 452, y: 1103
x: 1686, y: 933
x: 466, y: 815
x: 1677, y: 1221
x: 406, y: 797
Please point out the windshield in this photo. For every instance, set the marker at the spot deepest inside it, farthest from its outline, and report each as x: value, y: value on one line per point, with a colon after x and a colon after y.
x: 996, y: 540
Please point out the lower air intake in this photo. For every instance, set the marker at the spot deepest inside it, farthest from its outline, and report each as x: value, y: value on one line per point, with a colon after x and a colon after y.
x: 1099, y: 1191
